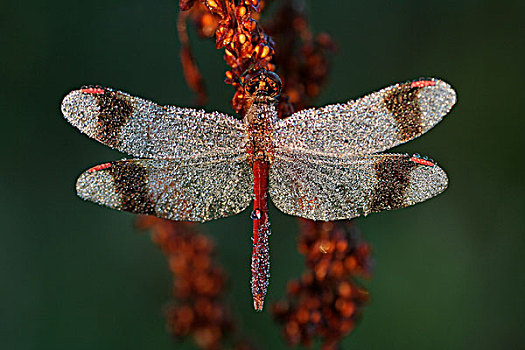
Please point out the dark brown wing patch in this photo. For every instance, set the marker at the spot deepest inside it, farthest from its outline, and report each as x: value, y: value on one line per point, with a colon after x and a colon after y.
x: 130, y: 179
x: 403, y: 103
x: 115, y: 111
x: 392, y: 181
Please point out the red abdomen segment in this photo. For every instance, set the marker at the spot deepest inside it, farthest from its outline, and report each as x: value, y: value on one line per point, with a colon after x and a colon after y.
x: 261, y: 233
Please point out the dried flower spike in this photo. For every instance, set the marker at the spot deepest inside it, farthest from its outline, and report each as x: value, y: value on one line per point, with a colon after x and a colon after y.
x: 327, y: 301
x: 199, y: 310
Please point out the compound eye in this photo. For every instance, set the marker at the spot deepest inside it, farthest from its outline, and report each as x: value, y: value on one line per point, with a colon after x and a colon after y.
x: 275, y: 87
x: 251, y: 87
x: 273, y: 83
x: 263, y: 82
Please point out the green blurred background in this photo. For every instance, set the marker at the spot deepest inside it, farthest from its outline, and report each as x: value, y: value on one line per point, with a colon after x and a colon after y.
x: 448, y: 273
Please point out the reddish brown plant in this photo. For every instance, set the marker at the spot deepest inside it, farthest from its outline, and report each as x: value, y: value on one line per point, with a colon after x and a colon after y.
x: 327, y: 300
x: 300, y: 56
x: 236, y: 28
x: 199, y: 310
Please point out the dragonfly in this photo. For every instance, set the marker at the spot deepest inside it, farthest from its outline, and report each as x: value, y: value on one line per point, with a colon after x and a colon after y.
x: 319, y: 163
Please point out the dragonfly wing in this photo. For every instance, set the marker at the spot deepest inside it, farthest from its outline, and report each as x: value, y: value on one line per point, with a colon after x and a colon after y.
x: 326, y: 188
x: 370, y: 124
x: 144, y: 129
x: 171, y: 189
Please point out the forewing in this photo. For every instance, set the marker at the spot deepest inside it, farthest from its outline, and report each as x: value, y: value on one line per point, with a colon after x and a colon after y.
x: 370, y: 124
x: 144, y: 129
x: 191, y: 191
x: 326, y: 188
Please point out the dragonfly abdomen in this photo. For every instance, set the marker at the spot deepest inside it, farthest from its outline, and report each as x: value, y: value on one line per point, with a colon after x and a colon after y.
x: 261, y: 233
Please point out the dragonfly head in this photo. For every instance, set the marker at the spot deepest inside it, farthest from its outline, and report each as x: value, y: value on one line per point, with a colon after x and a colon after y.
x: 262, y: 83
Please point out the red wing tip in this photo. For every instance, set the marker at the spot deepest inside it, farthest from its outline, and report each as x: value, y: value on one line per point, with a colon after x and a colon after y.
x: 422, y: 161
x: 422, y: 83
x: 99, y: 167
x: 92, y: 90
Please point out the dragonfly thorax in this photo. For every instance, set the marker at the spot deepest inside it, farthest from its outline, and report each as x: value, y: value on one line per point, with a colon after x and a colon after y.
x: 260, y: 120
x: 262, y: 89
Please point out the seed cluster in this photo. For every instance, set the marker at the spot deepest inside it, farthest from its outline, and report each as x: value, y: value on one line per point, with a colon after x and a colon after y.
x: 199, y: 310
x: 298, y: 54
x: 236, y: 28
x: 301, y: 57
x: 327, y: 300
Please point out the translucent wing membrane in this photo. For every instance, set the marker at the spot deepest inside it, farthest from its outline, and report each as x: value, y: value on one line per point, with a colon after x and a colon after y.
x: 370, y: 124
x: 327, y: 188
x: 144, y: 129
x: 187, y: 191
